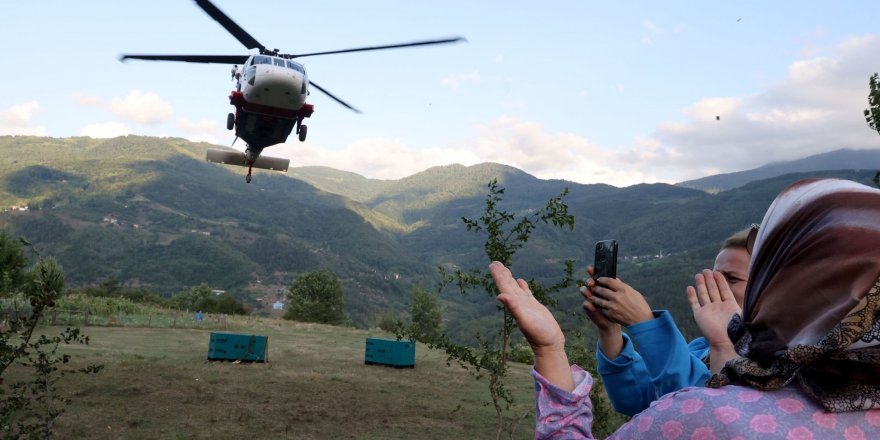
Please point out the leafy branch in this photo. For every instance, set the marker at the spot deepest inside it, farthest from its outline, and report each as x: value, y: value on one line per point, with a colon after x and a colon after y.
x: 872, y: 113
x: 505, y: 235
x: 29, y: 407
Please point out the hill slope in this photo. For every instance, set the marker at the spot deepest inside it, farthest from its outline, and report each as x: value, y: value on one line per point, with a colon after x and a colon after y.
x: 148, y: 212
x: 152, y: 213
x: 843, y: 159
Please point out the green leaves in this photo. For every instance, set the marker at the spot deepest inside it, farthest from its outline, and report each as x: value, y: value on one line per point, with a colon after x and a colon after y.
x: 317, y: 297
x: 427, y: 317
x: 872, y: 113
x: 29, y: 406
x: 505, y: 233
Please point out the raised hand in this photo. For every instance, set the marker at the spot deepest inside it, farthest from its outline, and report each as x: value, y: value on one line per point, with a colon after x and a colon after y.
x: 713, y: 304
x: 534, y: 320
x: 537, y: 325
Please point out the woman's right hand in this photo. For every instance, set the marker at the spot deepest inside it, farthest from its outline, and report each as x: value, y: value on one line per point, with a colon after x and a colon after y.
x: 610, y: 332
x: 602, y: 322
x: 618, y: 301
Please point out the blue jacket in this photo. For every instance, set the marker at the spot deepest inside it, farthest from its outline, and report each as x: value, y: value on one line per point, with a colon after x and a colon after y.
x: 666, y: 364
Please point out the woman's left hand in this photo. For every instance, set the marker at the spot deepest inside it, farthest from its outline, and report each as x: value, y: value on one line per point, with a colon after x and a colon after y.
x: 537, y: 325
x: 534, y: 320
x: 713, y: 304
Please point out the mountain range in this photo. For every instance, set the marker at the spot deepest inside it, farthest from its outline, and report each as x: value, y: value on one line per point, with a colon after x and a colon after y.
x: 843, y: 159
x: 152, y: 213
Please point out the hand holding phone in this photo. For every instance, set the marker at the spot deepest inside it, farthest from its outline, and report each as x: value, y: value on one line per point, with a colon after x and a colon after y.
x: 605, y: 260
x: 617, y: 301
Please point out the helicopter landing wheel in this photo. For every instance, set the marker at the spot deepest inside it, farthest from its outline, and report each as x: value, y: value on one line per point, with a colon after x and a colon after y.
x: 302, y: 133
x: 230, y: 121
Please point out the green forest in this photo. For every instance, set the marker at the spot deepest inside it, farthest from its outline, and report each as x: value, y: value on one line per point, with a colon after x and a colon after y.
x: 150, y: 213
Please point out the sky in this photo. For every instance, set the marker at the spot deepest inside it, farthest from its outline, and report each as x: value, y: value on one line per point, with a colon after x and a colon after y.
x: 591, y: 92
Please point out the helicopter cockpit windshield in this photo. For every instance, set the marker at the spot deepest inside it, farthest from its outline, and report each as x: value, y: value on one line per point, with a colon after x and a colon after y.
x: 261, y: 59
x: 296, y: 66
x: 276, y: 61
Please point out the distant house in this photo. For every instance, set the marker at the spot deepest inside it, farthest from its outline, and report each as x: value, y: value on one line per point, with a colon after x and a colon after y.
x: 218, y: 292
x: 278, y: 305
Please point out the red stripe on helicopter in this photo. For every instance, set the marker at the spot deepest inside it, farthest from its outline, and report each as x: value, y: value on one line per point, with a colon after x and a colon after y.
x: 237, y: 99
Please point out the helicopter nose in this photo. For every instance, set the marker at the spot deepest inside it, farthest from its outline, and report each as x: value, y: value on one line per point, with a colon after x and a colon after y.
x: 279, y: 82
x: 276, y: 87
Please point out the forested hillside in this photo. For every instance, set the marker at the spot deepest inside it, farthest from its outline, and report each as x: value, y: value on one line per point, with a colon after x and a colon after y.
x: 152, y: 213
x: 843, y: 159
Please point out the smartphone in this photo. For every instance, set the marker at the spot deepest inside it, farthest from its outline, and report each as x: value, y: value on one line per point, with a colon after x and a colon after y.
x: 605, y: 262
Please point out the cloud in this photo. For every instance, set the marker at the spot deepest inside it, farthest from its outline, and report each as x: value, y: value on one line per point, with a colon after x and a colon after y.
x: 86, y: 100
x: 143, y: 108
x: 19, y: 120
x: 528, y: 146
x: 455, y: 81
x: 651, y: 27
x: 106, y: 130
x: 522, y: 144
x: 205, y: 130
x: 816, y: 108
x: 376, y: 158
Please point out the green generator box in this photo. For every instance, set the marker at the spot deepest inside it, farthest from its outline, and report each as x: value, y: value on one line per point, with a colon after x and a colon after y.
x: 238, y: 347
x: 390, y: 352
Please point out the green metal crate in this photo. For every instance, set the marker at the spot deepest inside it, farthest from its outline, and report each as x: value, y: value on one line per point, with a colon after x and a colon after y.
x: 390, y: 352
x: 238, y: 347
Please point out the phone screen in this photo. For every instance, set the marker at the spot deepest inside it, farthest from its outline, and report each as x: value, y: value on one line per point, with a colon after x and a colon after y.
x: 605, y: 262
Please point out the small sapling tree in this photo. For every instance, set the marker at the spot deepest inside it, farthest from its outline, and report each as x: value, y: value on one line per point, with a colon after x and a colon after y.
x: 30, y: 403
x: 505, y: 235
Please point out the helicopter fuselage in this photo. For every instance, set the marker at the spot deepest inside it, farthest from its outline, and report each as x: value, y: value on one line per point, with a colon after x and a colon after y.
x: 270, y: 101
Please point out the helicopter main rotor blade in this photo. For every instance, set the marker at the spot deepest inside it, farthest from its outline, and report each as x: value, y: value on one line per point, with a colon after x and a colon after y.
x: 234, y: 29
x: 219, y: 59
x: 333, y: 97
x: 391, y: 46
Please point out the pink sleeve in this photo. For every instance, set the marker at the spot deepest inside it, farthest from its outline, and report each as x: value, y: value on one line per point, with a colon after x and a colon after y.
x: 561, y: 414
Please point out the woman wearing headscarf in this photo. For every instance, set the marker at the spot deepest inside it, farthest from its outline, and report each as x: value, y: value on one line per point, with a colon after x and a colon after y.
x: 800, y: 360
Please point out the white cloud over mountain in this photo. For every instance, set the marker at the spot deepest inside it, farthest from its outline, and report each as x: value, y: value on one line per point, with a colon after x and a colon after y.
x: 19, y: 120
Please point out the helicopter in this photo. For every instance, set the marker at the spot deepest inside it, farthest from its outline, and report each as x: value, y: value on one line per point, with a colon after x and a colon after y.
x: 270, y: 93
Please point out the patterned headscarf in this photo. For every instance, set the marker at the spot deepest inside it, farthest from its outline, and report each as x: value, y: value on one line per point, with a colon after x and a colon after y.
x: 811, y: 312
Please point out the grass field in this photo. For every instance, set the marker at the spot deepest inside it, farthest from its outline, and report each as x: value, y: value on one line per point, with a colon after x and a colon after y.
x: 157, y: 384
